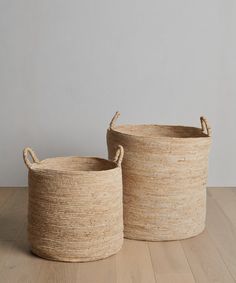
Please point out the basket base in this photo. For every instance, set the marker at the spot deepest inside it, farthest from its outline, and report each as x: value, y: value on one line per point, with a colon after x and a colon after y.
x: 63, y: 259
x: 158, y: 238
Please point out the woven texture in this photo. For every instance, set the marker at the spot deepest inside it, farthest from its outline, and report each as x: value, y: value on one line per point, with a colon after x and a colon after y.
x: 75, y: 208
x: 164, y: 179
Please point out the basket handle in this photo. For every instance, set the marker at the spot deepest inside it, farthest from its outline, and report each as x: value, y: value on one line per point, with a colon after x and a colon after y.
x: 119, y: 155
x: 113, y: 120
x: 205, y: 126
x: 29, y: 151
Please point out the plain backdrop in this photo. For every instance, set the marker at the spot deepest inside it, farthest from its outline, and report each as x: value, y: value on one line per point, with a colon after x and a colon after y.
x: 67, y: 66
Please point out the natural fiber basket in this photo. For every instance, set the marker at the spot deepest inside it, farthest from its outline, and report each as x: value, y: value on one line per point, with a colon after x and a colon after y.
x: 75, y: 210
x: 164, y: 179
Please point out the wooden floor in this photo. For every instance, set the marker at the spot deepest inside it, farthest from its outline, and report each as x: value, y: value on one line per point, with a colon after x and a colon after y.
x: 209, y: 257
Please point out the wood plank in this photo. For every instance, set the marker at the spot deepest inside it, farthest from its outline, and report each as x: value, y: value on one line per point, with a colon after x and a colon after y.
x: 133, y: 263
x: 223, y: 233
x: 226, y: 199
x: 205, y: 261
x: 5, y: 195
x: 5, y: 249
x: 13, y: 215
x: 53, y: 272
x: 170, y: 263
x: 101, y: 271
x: 19, y: 264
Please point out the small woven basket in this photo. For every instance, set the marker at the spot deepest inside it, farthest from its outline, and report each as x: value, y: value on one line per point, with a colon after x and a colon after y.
x: 75, y: 210
x: 164, y: 179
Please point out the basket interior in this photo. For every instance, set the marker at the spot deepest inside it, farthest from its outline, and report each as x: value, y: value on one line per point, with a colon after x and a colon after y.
x: 74, y: 163
x: 160, y: 131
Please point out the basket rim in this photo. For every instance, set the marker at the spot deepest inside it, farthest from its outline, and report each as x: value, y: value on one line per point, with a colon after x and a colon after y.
x: 35, y: 166
x: 114, y: 129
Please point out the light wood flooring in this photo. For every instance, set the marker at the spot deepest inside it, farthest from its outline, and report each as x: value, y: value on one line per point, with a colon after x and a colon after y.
x: 209, y: 257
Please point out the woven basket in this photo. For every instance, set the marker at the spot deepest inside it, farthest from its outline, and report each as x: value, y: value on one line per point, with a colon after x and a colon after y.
x: 164, y: 179
x: 75, y: 210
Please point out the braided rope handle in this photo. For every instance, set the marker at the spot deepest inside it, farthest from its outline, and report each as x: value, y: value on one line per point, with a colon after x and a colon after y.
x: 28, y: 151
x: 119, y: 155
x: 113, y: 120
x: 205, y: 126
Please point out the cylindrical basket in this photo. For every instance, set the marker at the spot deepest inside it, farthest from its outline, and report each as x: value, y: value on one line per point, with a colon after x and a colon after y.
x: 164, y: 179
x: 75, y: 210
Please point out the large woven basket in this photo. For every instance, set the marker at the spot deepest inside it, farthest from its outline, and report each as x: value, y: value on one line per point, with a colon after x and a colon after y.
x: 75, y: 210
x: 164, y: 179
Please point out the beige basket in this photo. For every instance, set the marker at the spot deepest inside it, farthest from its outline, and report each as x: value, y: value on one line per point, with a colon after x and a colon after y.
x: 75, y: 208
x: 164, y: 179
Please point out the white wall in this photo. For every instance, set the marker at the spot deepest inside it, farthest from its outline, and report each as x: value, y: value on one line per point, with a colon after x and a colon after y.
x: 67, y: 66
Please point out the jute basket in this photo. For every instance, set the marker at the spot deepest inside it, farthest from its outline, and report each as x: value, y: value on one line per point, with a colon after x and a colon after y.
x: 164, y: 179
x: 75, y: 210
